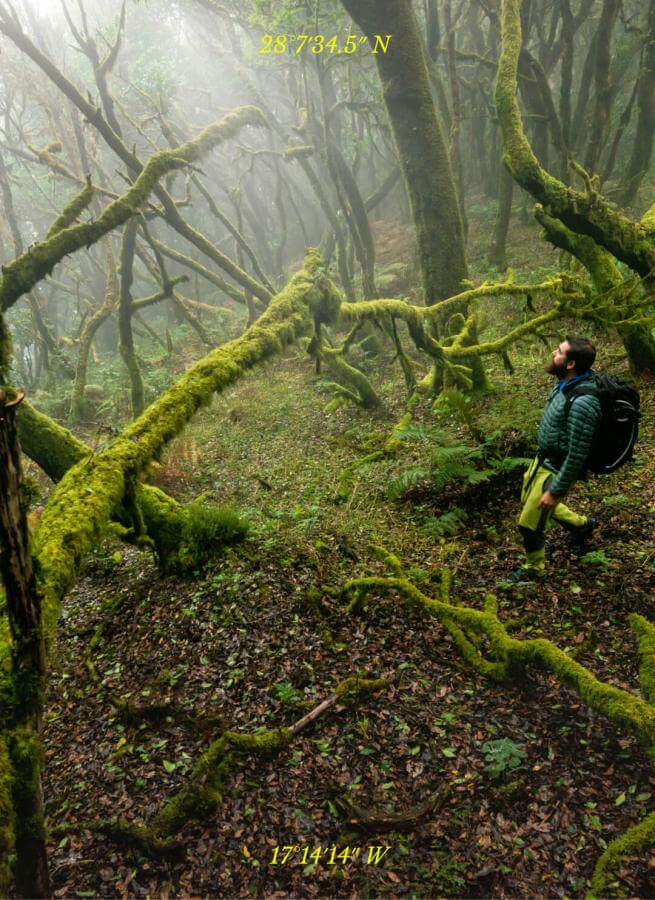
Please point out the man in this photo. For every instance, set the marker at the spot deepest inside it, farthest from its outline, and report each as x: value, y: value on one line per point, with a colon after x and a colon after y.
x: 565, y: 436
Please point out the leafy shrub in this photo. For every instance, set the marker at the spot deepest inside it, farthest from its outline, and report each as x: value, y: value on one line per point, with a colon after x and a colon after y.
x: 451, y: 463
x: 502, y: 756
x: 201, y: 530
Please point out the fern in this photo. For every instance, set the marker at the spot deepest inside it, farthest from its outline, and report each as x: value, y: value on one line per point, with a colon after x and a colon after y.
x: 459, y: 403
x: 446, y: 525
x: 509, y: 463
x: 406, y: 480
x: 456, y: 463
x: 414, y: 432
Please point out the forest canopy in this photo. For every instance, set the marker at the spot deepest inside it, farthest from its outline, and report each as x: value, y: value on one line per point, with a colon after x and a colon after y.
x: 280, y: 285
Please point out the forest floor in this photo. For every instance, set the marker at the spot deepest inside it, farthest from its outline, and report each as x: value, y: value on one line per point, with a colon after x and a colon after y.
x: 262, y: 636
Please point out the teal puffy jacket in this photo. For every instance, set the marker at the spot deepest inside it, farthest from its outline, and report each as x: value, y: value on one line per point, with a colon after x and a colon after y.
x: 565, y: 441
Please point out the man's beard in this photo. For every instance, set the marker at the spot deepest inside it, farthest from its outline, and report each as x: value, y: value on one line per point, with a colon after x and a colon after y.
x: 554, y: 369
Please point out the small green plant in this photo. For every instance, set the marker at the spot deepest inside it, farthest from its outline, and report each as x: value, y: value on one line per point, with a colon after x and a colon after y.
x: 449, y: 876
x: 595, y: 558
x: 618, y: 501
x: 502, y: 756
x: 287, y: 694
x: 452, y: 463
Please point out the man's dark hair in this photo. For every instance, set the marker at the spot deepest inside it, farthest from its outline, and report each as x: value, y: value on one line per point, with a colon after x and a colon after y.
x: 581, y: 351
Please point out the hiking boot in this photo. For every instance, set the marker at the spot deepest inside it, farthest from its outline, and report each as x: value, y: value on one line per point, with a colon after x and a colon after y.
x: 579, y: 537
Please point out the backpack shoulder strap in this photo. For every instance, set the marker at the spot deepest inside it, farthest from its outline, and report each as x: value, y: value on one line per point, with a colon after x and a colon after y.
x: 589, y: 388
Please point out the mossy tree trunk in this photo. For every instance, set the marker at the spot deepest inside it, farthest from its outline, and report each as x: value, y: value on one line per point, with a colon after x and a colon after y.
x: 421, y: 148
x: 420, y: 141
x: 28, y: 665
x: 637, y: 339
x: 586, y: 214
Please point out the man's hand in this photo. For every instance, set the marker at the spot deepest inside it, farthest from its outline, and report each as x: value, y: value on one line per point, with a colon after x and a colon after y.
x: 548, y: 501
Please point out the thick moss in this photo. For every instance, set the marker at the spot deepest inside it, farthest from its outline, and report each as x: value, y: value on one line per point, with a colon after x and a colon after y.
x: 204, y: 791
x: 52, y: 447
x: 570, y: 295
x: 646, y: 652
x: 638, y: 838
x: 356, y: 384
x: 180, y: 543
x: 73, y: 211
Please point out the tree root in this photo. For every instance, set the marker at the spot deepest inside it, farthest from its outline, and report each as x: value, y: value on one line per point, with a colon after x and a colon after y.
x: 204, y: 790
x: 123, y: 832
x: 507, y: 659
x: 381, y: 821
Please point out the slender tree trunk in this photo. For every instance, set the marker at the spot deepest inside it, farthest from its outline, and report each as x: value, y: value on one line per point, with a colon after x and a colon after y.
x: 126, y: 344
x: 89, y: 331
x: 456, y: 115
x: 643, y: 146
x: 580, y: 116
x: 603, y: 87
x: 566, y: 79
x: 498, y: 254
x: 421, y: 149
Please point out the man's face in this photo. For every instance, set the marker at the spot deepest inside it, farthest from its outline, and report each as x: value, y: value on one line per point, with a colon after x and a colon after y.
x: 558, y: 364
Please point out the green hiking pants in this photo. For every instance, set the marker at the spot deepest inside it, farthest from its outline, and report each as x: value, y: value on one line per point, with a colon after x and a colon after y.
x: 533, y: 522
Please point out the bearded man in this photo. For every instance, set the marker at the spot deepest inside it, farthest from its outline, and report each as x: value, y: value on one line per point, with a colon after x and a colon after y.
x: 565, y: 437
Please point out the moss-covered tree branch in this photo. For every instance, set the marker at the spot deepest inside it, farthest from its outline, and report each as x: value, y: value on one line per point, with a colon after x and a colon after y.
x: 20, y: 275
x: 87, y: 497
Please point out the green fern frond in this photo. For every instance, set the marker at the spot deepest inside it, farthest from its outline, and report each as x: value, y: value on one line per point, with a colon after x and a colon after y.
x: 446, y: 525
x: 406, y: 480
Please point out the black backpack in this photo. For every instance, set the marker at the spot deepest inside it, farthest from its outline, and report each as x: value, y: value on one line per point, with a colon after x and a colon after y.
x: 618, y: 429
